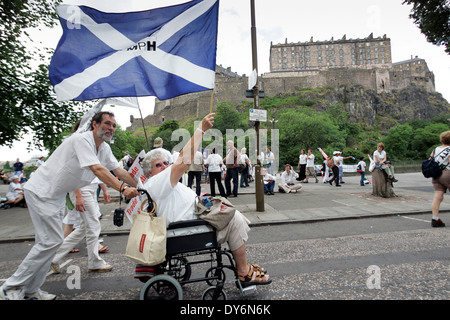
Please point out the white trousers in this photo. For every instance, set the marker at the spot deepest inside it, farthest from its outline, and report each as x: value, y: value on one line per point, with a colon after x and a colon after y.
x: 90, y: 228
x: 285, y: 189
x: 235, y: 233
x: 47, y: 216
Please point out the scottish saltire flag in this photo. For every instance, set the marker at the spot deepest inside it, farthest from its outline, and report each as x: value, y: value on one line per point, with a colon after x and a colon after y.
x: 163, y: 52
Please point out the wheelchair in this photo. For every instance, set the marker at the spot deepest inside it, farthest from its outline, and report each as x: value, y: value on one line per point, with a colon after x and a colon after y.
x: 190, y: 243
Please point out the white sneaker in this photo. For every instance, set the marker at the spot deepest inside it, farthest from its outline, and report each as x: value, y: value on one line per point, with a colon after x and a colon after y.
x: 40, y: 295
x: 105, y: 268
x: 11, y: 294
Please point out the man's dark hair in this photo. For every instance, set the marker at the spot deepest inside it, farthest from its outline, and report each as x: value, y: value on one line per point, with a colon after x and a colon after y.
x: 98, y: 118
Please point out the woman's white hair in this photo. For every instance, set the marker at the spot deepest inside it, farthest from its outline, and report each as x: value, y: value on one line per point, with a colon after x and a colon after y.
x: 151, y: 156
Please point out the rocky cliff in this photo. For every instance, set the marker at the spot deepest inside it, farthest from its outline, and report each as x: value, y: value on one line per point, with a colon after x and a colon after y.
x: 365, y: 106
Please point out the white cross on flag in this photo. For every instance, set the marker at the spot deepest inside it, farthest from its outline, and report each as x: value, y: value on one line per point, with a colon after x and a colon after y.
x: 163, y: 52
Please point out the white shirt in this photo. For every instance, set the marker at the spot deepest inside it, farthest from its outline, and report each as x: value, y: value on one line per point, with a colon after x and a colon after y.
x: 12, y: 192
x: 67, y: 169
x: 310, y: 160
x: 196, y: 165
x: 338, y: 160
x: 381, y: 155
x: 288, y: 178
x: 214, y: 161
x: 442, y: 158
x: 243, y: 159
x: 363, y: 165
x: 268, y: 177
x: 174, y: 203
x: 302, y: 158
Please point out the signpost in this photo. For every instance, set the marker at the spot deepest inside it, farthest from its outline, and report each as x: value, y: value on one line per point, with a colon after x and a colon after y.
x: 259, y: 185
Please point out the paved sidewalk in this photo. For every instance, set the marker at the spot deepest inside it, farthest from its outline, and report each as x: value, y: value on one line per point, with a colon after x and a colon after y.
x: 315, y: 202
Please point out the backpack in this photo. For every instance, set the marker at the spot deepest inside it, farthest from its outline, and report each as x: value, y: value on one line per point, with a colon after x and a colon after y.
x: 431, y: 168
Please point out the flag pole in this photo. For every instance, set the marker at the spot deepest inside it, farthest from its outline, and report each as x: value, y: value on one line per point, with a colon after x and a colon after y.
x: 143, y: 126
x: 212, y: 97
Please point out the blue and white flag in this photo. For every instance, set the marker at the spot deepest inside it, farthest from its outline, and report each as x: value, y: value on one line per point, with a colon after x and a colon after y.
x: 164, y: 52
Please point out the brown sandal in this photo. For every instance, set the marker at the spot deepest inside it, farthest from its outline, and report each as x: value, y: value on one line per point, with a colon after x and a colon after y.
x: 257, y: 267
x: 254, y: 277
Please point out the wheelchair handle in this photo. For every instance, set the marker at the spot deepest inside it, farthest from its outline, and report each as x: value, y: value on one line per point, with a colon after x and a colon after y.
x: 150, y: 200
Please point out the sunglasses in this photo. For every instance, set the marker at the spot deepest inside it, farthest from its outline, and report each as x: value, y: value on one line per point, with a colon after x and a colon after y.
x: 159, y: 164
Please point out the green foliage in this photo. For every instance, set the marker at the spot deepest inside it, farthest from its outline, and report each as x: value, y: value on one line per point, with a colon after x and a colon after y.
x: 26, y: 100
x: 306, y: 130
x: 227, y: 118
x: 125, y: 141
x: 414, y: 139
x: 165, y: 133
x: 432, y: 17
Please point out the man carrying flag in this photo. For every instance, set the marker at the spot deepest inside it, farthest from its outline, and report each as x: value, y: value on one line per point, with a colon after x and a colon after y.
x: 74, y: 164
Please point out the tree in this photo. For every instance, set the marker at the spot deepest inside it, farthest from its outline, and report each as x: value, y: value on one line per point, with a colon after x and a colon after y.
x: 27, y: 103
x: 227, y: 118
x: 165, y: 133
x: 398, y: 142
x: 432, y: 17
x: 125, y: 141
x: 305, y: 130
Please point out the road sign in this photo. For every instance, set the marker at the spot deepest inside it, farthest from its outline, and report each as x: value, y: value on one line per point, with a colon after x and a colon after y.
x: 257, y: 115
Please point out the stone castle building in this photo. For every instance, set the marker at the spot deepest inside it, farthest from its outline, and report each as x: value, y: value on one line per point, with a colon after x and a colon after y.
x: 345, y: 62
x: 368, y: 53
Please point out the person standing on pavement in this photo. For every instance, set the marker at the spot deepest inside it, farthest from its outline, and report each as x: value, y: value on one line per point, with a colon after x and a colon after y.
x: 73, y: 165
x: 310, y: 166
x: 441, y: 184
x: 361, y: 168
x: 86, y: 205
x: 270, y: 158
x: 195, y: 171
x: 215, y: 163
x: 331, y: 164
x: 244, y: 173
x: 18, y: 168
x: 232, y: 163
x: 302, y: 166
x: 339, y: 161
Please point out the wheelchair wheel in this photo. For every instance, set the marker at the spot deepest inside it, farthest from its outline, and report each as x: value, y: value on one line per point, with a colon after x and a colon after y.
x: 215, y: 272
x: 211, y: 292
x: 180, y: 269
x: 161, y: 287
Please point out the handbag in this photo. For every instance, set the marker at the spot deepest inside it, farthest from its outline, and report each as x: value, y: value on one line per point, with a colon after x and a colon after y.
x: 147, y: 240
x: 431, y: 168
x: 358, y: 168
x: 219, y: 214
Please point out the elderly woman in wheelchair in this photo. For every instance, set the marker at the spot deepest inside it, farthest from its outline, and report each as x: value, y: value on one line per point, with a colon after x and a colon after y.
x: 176, y: 202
